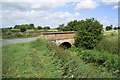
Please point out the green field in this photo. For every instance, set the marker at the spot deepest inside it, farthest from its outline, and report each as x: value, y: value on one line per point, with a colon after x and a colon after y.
x: 43, y: 59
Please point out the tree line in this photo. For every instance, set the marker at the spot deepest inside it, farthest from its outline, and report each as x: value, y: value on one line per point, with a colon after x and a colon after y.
x: 24, y: 27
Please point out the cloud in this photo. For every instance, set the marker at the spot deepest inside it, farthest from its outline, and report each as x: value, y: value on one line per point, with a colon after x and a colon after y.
x: 115, y: 7
x: 43, y: 18
x: 15, y: 6
x: 41, y: 12
x: 46, y: 5
x: 40, y: 0
x: 110, y: 2
x: 26, y: 6
x: 106, y: 21
x: 86, y: 4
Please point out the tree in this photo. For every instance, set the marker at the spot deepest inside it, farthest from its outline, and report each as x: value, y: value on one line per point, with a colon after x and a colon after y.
x: 71, y: 26
x: 17, y: 27
x: 61, y: 26
x: 115, y: 28
x: 10, y: 28
x: 30, y: 26
x: 88, y: 33
x: 46, y: 28
x: 108, y: 28
x: 23, y: 29
x: 39, y: 27
x: 118, y: 27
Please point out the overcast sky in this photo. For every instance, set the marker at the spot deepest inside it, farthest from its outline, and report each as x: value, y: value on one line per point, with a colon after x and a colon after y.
x: 54, y: 12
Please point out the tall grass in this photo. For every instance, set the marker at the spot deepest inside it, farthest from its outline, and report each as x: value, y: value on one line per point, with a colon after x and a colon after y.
x: 84, y: 69
x: 99, y: 58
x: 109, y: 43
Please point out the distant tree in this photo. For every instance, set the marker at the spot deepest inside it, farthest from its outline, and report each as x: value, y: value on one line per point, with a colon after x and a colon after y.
x: 30, y: 26
x: 4, y: 30
x: 115, y: 28
x: 71, y: 26
x: 10, y: 28
x: 61, y: 26
x: 27, y: 26
x: 46, y: 28
x: 39, y: 27
x: 17, y: 27
x: 23, y: 29
x: 108, y: 28
x: 118, y: 27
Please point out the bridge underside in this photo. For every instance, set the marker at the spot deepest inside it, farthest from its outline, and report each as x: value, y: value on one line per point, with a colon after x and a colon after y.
x: 64, y: 43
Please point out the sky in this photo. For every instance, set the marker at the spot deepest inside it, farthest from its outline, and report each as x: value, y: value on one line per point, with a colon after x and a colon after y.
x: 52, y: 13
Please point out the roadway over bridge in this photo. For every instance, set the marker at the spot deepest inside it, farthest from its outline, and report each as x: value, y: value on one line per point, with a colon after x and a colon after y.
x: 63, y: 39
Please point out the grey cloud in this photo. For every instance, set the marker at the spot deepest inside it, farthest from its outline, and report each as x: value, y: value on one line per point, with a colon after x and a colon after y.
x: 14, y: 6
x: 27, y: 6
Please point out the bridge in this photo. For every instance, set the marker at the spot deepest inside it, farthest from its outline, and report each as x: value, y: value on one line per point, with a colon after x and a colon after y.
x: 63, y: 39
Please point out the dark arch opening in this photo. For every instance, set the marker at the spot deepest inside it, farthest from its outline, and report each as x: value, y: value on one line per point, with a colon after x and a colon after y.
x: 65, y: 45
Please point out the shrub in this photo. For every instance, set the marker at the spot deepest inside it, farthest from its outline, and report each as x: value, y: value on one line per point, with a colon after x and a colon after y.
x: 89, y: 33
x: 108, y: 28
x: 23, y: 29
x: 110, y: 61
x: 46, y: 28
x: 39, y: 27
x: 18, y: 34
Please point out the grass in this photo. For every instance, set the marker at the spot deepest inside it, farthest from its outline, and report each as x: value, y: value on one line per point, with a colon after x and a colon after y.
x: 99, y: 59
x: 109, y: 42
x: 43, y: 59
x: 29, y: 60
x: 86, y: 70
x: 16, y: 35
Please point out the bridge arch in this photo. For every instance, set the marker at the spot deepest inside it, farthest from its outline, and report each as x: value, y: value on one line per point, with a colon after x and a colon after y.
x: 65, y: 45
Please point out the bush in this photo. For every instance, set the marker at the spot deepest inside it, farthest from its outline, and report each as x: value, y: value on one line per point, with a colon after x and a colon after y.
x: 110, y: 61
x: 89, y: 33
x: 18, y: 34
x: 23, y: 29
x: 39, y: 27
x: 108, y: 28
x: 46, y: 28
x: 81, y: 68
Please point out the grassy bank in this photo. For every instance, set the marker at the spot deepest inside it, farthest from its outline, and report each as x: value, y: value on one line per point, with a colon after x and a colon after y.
x: 100, y: 59
x: 109, y: 42
x: 35, y: 59
x: 43, y: 59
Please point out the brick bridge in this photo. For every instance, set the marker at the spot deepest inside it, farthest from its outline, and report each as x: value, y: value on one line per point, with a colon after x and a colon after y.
x: 63, y: 39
